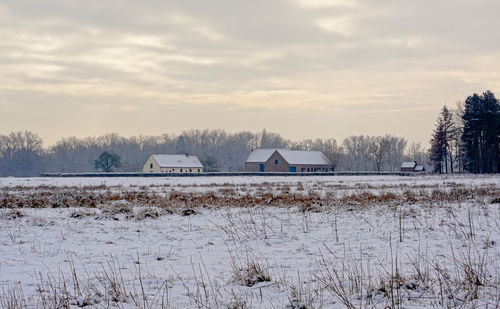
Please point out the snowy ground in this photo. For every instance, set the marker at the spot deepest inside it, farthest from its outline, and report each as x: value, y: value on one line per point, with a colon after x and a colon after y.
x: 248, y: 180
x: 250, y: 242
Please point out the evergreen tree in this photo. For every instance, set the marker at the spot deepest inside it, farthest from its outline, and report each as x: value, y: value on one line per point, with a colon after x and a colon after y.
x: 480, y: 138
x: 437, y: 152
x: 442, y: 152
x: 491, y: 106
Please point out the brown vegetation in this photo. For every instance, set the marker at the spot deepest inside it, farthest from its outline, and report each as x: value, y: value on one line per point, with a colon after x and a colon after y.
x: 172, y: 201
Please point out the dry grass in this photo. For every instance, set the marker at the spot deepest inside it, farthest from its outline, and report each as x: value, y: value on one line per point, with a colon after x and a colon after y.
x: 250, y: 273
x: 120, y: 199
x: 465, y: 276
x: 12, y: 296
x: 101, y: 289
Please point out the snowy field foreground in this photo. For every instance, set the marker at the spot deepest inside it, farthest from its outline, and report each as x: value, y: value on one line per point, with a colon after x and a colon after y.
x: 250, y: 242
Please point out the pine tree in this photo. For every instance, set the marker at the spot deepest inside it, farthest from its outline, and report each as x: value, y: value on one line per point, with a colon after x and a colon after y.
x: 480, y: 138
x: 437, y: 152
x: 491, y: 129
x: 442, y: 152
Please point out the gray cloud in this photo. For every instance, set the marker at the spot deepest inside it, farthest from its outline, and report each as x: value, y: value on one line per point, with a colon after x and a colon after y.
x: 336, y: 66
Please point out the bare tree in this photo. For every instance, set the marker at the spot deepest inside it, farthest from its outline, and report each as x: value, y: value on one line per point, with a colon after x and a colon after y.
x: 21, y: 154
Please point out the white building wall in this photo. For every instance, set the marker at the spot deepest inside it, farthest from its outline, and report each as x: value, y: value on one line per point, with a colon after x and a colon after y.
x: 151, y: 166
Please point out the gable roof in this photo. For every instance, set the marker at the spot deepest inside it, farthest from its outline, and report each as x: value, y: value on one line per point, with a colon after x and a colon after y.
x: 177, y: 160
x: 260, y: 155
x: 304, y: 157
x: 409, y: 164
x: 291, y: 156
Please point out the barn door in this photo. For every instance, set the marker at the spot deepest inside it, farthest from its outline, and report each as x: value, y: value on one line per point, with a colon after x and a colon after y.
x: 262, y: 167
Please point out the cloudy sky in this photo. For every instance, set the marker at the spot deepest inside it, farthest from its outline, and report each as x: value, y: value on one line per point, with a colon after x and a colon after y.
x: 303, y: 68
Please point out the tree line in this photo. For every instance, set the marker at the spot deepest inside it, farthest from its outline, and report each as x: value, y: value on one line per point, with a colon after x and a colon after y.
x: 467, y: 138
x: 23, y: 153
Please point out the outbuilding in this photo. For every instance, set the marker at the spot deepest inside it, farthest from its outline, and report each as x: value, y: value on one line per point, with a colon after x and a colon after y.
x: 173, y: 163
x: 408, y: 166
x: 412, y: 167
x: 285, y: 160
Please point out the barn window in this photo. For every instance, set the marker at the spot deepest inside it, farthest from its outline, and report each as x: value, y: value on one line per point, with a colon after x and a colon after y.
x: 151, y: 165
x: 276, y: 161
x: 198, y: 170
x: 190, y: 170
x: 181, y: 170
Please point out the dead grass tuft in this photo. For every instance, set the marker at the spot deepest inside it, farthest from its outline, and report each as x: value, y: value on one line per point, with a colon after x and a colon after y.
x: 12, y: 297
x: 251, y: 273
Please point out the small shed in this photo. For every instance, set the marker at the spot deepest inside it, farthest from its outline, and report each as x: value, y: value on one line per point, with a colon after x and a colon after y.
x: 173, y: 163
x: 408, y: 166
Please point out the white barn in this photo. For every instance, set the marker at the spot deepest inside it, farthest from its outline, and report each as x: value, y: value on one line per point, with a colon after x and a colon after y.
x: 173, y: 163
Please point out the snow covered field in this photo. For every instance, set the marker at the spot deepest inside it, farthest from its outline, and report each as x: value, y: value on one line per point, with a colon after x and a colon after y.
x: 247, y: 180
x: 250, y: 242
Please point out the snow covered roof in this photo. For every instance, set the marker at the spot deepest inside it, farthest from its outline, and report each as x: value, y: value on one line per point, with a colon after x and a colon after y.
x: 291, y: 156
x: 260, y: 155
x: 411, y: 164
x: 419, y: 168
x: 304, y: 157
x: 177, y: 160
